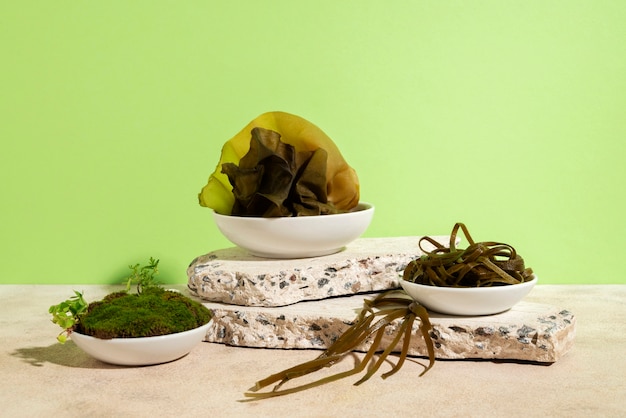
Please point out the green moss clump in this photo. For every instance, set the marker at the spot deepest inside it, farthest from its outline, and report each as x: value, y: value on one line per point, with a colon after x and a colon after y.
x: 152, y: 312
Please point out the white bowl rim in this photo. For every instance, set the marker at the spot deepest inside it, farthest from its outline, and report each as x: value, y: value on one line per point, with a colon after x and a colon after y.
x: 481, y: 289
x: 468, y: 301
x: 153, y: 338
x: 359, y: 208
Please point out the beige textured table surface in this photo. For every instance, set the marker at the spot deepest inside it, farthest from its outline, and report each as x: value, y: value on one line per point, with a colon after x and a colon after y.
x: 42, y: 378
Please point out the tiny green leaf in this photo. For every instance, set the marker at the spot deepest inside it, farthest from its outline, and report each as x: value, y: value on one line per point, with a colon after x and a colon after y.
x: 143, y: 277
x: 67, y: 314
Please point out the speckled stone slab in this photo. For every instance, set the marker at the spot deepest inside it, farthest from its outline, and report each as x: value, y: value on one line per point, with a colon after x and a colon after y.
x: 235, y: 277
x: 529, y: 331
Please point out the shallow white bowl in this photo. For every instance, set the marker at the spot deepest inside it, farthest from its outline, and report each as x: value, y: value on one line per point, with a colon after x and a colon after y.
x: 142, y: 351
x: 295, y: 237
x: 468, y: 300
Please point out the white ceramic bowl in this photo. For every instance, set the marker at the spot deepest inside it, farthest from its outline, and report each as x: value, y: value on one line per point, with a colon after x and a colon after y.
x: 295, y: 237
x: 468, y: 300
x: 141, y: 351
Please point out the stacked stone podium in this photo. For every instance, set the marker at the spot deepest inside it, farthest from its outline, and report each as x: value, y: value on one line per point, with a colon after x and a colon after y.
x: 309, y: 303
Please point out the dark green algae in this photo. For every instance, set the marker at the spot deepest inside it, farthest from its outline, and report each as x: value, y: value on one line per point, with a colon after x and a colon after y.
x: 154, y: 311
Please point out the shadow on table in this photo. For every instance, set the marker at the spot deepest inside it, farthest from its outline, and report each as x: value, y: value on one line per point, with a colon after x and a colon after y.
x: 67, y: 354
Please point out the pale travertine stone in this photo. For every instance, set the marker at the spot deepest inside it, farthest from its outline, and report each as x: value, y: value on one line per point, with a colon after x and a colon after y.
x: 368, y: 264
x: 529, y: 331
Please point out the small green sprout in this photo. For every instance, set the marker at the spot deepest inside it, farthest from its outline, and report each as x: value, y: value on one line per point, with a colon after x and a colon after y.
x: 143, y: 277
x: 66, y: 314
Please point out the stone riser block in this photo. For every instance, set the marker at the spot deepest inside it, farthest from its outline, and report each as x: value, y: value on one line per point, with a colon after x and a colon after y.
x: 529, y: 331
x: 368, y: 264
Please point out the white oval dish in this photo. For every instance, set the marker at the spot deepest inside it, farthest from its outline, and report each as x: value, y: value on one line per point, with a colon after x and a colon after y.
x: 468, y: 301
x: 295, y: 237
x: 141, y: 351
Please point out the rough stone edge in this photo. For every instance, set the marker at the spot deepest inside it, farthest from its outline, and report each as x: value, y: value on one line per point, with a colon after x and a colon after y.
x: 367, y: 265
x: 501, y: 336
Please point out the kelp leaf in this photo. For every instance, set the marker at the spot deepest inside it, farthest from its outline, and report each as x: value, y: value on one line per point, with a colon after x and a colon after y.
x: 342, y: 185
x: 273, y: 180
x: 310, y: 189
x: 263, y: 179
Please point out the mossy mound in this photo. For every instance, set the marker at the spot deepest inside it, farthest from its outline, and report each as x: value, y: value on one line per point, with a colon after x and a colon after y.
x: 152, y: 312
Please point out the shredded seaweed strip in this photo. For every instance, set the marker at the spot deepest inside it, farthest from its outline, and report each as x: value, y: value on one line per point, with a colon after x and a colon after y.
x: 480, y: 264
x: 372, y: 321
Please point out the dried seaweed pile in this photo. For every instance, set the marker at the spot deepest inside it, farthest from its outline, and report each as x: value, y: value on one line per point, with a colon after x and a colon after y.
x: 480, y: 264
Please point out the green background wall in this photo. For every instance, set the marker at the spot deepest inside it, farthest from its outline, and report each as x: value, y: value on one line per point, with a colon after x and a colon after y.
x: 506, y: 115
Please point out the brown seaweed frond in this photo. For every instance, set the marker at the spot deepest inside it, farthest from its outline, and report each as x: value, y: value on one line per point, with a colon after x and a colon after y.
x: 372, y: 322
x: 480, y: 264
